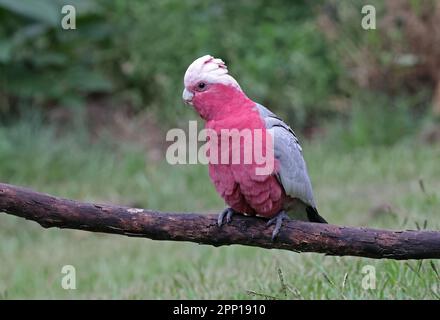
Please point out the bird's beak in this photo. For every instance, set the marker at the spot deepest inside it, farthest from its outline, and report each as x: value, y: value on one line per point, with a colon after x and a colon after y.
x: 187, y: 96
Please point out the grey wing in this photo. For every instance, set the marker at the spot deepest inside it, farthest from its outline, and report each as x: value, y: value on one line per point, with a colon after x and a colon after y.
x: 293, y: 170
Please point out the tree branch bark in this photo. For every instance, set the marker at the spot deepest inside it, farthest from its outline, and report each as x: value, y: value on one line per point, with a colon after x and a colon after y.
x: 50, y: 211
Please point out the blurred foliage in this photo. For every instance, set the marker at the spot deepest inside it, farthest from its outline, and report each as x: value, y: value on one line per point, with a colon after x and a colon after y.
x: 306, y: 61
x: 139, y: 50
x: 400, y: 56
x: 375, y: 120
x: 275, y: 52
x: 43, y: 64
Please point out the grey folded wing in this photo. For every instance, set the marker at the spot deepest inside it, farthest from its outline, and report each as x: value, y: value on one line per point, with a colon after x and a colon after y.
x: 292, y: 172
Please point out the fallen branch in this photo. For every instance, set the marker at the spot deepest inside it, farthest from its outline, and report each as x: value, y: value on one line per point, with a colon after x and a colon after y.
x: 51, y: 211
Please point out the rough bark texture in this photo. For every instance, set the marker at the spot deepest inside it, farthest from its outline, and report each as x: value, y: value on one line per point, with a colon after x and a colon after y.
x: 329, y: 239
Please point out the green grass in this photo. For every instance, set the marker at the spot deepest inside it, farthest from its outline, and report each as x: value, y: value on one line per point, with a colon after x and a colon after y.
x: 350, y: 186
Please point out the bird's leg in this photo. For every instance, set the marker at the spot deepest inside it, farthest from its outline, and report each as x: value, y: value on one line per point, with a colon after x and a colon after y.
x: 278, y: 221
x: 228, y: 212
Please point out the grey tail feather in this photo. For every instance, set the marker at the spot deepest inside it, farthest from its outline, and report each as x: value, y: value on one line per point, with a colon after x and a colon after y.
x: 313, y: 215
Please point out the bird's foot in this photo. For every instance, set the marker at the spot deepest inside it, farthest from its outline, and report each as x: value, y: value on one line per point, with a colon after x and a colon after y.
x: 228, y: 212
x: 278, y: 221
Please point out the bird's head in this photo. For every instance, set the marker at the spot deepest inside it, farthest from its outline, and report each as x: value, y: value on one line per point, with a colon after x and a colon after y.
x: 210, y: 88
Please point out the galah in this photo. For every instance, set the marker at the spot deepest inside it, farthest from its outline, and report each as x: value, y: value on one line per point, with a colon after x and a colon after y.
x: 286, y: 191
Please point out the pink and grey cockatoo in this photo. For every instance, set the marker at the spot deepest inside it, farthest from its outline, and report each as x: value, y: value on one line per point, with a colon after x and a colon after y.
x: 286, y: 191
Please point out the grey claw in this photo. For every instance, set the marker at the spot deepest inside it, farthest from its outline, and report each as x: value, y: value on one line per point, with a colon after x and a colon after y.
x: 278, y: 221
x: 271, y: 221
x: 228, y: 212
x: 229, y: 215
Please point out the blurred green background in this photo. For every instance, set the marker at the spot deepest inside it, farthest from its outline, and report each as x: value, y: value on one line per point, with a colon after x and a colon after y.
x: 84, y: 113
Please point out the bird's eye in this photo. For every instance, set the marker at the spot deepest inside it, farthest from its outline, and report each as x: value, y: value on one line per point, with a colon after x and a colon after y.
x: 201, y: 86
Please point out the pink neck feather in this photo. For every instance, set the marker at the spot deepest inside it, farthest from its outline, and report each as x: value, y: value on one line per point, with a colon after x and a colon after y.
x: 221, y: 101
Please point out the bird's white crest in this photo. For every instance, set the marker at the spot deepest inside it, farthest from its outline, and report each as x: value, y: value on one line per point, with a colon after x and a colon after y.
x: 210, y: 70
